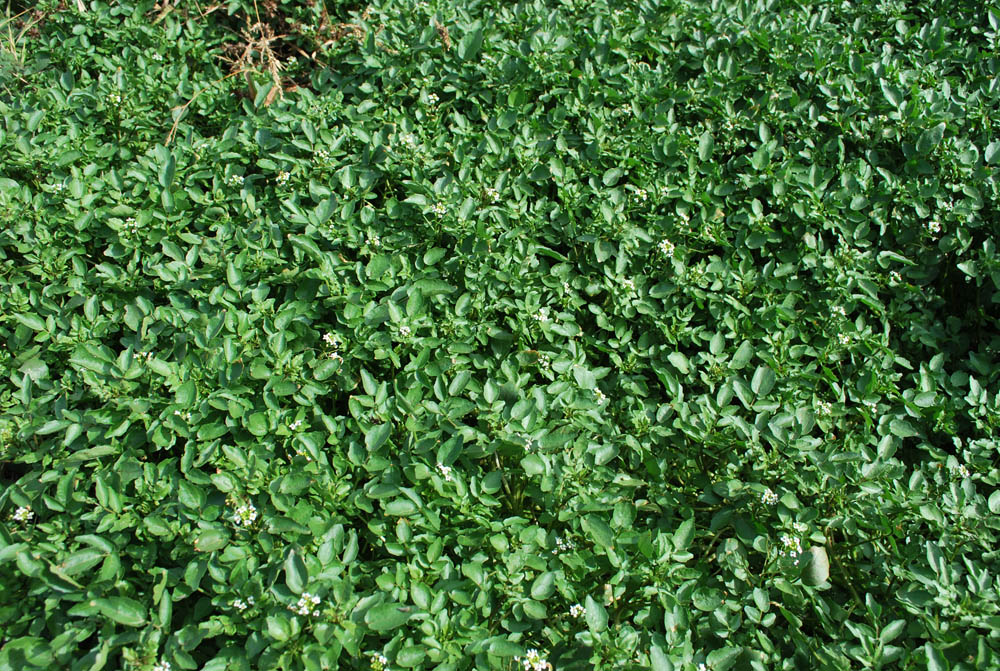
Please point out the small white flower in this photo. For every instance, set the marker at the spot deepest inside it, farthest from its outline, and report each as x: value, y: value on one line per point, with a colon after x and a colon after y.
x: 493, y: 194
x: 529, y: 444
x: 641, y: 194
x: 666, y: 248
x: 283, y: 177
x: 544, y: 362
x: 379, y: 662
x: 404, y: 331
x: 576, y: 610
x: 628, y: 284
x: 58, y: 187
x: 542, y: 315
x: 235, y: 180
x: 332, y: 340
x: 157, y: 56
x: 823, y: 408
x: 374, y: 240
x: 240, y: 605
x: 702, y: 667
x: 162, y: 666
x: 432, y: 99
x: 933, y: 226
x: 295, y: 425
x: 800, y: 527
x: 322, y: 155
x: 445, y: 471
x: 600, y: 396
x: 963, y: 471
x: 114, y: 98
x: 305, y: 604
x: 768, y: 497
x: 336, y: 356
x: 439, y: 209
x: 409, y: 140
x: 843, y: 339
x: 839, y: 310
x: 23, y: 514
x: 246, y: 515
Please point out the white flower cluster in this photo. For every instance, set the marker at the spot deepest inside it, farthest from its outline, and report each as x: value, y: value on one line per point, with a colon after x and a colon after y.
x: 839, y: 310
x: 162, y: 666
x: 933, y: 226
x: 576, y: 610
x: 768, y: 497
x: 544, y: 362
x: 157, y: 56
x: 130, y: 227
x: 641, y: 194
x: 962, y: 470
x: 58, y: 188
x: 114, y: 98
x: 336, y: 356
x: 235, y: 180
x: 871, y: 405
x: 404, y: 331
x: 439, y: 209
x: 445, y: 471
x: 800, y: 527
x: 628, y: 284
x: 306, y: 605
x: 844, y: 339
x: 563, y: 545
x: 702, y: 666
x: 409, y: 140
x: 533, y: 661
x: 432, y: 98
x: 666, y: 248
x: 529, y: 444
x: 185, y: 415
x: 295, y: 425
x: 379, y: 662
x: 332, y: 340
x: 241, y: 605
x: 245, y: 515
x: 823, y: 408
x: 493, y: 194
x: 322, y: 155
x: 23, y: 514
x: 600, y: 396
x: 542, y: 315
x: 791, y: 546
x: 374, y: 240
x: 283, y: 177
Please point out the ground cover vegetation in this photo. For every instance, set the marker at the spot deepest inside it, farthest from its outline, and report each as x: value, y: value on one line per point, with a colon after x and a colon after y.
x: 496, y: 335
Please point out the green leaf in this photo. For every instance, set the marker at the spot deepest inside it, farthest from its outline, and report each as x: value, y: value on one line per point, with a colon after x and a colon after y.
x: 763, y: 381
x: 659, y: 659
x: 122, y: 610
x: 817, y: 566
x: 34, y: 368
x: 599, y: 530
x: 543, y: 586
x: 611, y: 176
x: 471, y: 43
x: 684, y: 534
x: 595, y: 615
x: 723, y: 659
x: 743, y: 356
x: 902, y: 428
x: 891, y: 93
x: 706, y: 145
x: 930, y: 138
x: 34, y: 322
x: 935, y: 660
x: 501, y: 647
x: 387, y: 616
x: 992, y: 152
x: 210, y: 540
x: 167, y: 171
x: 400, y: 507
x: 296, y: 573
x: 257, y: 424
x: 377, y: 435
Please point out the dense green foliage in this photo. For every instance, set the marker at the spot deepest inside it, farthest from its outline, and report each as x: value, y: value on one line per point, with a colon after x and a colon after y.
x: 660, y: 334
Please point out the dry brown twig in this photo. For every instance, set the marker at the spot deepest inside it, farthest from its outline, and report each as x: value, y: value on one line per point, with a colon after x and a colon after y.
x: 443, y: 34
